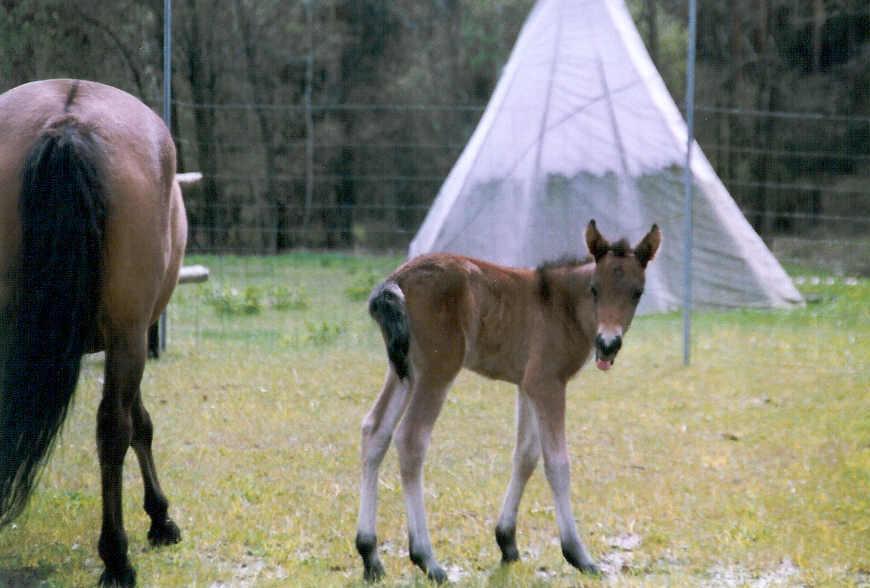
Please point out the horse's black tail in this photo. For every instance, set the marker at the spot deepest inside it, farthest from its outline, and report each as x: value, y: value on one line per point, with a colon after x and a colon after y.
x: 387, y: 307
x: 53, y: 308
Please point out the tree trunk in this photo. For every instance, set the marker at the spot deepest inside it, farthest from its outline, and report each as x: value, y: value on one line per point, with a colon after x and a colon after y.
x: 203, y: 80
x: 273, y: 206
x: 652, y: 30
x: 819, y: 17
x: 762, y: 123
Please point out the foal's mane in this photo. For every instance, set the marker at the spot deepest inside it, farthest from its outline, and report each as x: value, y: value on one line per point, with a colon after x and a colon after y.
x: 621, y: 248
x: 543, y: 272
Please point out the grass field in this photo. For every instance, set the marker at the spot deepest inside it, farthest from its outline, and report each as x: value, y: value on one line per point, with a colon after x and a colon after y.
x: 750, y: 467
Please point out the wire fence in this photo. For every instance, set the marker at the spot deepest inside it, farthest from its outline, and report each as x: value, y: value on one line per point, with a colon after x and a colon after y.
x: 810, y: 205
x: 815, y: 213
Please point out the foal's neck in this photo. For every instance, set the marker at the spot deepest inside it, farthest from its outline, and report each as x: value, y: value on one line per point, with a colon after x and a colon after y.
x: 566, y: 292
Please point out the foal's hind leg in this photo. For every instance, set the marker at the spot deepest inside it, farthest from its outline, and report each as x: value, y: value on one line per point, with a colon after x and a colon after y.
x: 526, y: 456
x: 377, y: 431
x: 412, y: 441
x: 125, y: 361
x: 163, y: 530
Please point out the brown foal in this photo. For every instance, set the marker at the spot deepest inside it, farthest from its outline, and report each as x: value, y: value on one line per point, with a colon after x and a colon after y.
x: 535, y: 328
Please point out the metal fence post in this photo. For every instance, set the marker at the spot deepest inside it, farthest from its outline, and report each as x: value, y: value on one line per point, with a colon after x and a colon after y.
x: 157, y: 340
x: 688, y: 179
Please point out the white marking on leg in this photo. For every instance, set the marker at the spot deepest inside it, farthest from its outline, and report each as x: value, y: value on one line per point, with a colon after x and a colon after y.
x: 377, y: 430
x: 526, y: 455
x: 550, y: 409
x: 412, y: 442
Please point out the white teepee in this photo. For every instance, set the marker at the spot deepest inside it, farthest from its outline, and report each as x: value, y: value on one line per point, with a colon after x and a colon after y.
x: 581, y: 126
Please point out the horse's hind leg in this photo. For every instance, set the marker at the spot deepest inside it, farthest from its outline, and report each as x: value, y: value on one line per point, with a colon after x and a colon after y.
x: 526, y: 456
x: 377, y: 431
x: 163, y: 530
x: 412, y: 441
x: 125, y: 362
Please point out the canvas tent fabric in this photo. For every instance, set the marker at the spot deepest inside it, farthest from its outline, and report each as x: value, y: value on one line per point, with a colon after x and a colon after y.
x: 581, y: 126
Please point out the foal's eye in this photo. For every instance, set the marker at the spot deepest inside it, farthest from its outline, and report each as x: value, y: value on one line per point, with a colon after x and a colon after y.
x: 594, y: 291
x: 636, y: 295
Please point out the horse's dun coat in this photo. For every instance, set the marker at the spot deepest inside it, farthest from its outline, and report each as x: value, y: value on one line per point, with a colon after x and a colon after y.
x: 92, y: 232
x: 534, y: 328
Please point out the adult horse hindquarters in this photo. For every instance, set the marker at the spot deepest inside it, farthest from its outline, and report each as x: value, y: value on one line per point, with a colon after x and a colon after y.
x: 92, y: 232
x: 534, y: 328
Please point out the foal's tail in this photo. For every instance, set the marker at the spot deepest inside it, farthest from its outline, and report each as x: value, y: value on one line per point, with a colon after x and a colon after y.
x: 387, y: 307
x: 52, y: 313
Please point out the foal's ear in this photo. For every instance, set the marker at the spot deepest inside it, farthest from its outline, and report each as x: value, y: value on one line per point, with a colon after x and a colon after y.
x: 646, y: 249
x: 595, y: 242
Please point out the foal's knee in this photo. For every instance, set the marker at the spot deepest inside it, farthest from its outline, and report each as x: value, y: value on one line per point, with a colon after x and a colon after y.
x: 374, y: 443
x: 411, y: 446
x: 527, y: 456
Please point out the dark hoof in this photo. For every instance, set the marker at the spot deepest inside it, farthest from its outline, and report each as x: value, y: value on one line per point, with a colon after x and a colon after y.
x: 374, y: 571
x: 124, y: 579
x: 436, y: 573
x: 367, y: 546
x: 577, y: 557
x: 165, y: 533
x: 506, y: 539
x: 430, y: 567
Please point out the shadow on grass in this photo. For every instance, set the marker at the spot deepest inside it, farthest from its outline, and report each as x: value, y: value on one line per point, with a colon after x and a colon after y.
x: 25, y: 577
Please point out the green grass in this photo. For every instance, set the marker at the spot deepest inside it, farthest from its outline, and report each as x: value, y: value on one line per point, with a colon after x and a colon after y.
x: 752, y: 462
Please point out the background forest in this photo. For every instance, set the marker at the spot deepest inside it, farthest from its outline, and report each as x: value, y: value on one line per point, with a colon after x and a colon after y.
x: 331, y: 124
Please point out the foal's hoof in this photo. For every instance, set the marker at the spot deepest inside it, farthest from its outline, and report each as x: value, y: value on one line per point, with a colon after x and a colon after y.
x: 590, y: 568
x: 586, y: 566
x: 125, y: 578
x: 367, y: 546
x: 374, y: 571
x: 165, y: 533
x: 507, y: 543
x: 579, y: 558
x: 436, y: 573
x: 433, y: 570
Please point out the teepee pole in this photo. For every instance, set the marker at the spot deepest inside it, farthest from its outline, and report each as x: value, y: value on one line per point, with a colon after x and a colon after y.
x: 687, y: 180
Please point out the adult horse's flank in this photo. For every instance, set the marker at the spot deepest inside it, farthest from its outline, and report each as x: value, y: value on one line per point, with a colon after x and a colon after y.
x: 534, y: 328
x: 92, y: 232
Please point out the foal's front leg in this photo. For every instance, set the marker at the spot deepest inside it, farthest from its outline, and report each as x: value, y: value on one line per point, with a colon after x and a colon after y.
x: 526, y: 456
x: 549, y: 402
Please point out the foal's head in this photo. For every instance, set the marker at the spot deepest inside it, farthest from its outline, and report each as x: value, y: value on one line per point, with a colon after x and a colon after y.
x: 616, y: 286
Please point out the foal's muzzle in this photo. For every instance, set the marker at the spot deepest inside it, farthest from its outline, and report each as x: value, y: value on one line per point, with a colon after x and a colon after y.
x: 606, y: 350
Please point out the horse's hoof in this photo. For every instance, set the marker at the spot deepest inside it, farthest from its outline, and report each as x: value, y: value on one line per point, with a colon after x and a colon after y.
x: 165, y: 533
x: 577, y: 556
x: 425, y: 560
x: 374, y: 572
x: 509, y: 556
x: 587, y: 566
x: 436, y: 573
x: 125, y: 578
x: 507, y: 543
